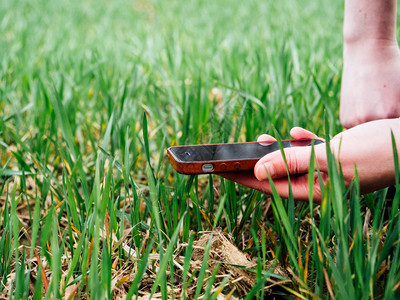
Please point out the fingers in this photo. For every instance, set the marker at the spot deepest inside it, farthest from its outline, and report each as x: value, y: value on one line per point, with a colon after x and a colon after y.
x: 245, y: 178
x: 266, y: 138
x: 297, y: 158
x: 299, y: 133
x: 299, y: 185
x: 273, y: 164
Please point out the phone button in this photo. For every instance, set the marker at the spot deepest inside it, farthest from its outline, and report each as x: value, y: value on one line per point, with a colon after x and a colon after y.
x: 207, y: 167
x: 223, y: 167
x: 236, y: 166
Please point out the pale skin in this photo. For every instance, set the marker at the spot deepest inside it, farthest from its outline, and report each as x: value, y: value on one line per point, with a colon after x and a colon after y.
x: 370, y: 91
x: 368, y: 147
x: 371, y: 62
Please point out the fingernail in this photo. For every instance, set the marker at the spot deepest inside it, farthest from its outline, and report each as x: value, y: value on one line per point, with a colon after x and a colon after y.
x: 265, y: 169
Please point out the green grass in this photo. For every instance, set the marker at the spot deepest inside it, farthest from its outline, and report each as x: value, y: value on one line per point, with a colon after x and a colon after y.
x: 91, y: 95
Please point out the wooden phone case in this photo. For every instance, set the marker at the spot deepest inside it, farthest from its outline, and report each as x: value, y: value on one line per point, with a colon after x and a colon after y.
x: 219, y: 166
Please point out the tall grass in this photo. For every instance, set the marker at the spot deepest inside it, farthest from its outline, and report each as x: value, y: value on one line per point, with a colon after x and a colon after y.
x: 92, y: 93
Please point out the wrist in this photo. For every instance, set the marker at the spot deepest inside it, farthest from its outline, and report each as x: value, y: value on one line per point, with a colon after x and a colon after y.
x: 370, y: 50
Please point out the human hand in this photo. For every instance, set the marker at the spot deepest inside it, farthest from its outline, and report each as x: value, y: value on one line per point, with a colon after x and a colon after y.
x: 298, y: 159
x: 367, y: 146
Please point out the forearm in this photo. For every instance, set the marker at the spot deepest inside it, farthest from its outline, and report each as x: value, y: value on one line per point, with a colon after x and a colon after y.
x: 369, y: 20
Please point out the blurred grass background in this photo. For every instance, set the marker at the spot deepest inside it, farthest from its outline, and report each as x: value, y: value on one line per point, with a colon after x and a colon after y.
x: 287, y: 54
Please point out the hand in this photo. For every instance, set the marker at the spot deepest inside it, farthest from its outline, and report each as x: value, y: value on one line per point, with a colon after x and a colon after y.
x: 367, y: 146
x: 298, y: 159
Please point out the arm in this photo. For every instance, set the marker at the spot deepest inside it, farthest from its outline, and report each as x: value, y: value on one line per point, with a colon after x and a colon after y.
x: 369, y: 19
x: 371, y: 62
x: 367, y: 146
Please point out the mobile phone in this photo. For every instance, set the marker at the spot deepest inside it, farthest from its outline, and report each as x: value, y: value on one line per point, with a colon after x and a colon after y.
x: 229, y: 157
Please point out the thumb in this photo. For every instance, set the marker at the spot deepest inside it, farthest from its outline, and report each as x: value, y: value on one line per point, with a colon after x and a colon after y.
x: 297, y: 158
x: 299, y: 133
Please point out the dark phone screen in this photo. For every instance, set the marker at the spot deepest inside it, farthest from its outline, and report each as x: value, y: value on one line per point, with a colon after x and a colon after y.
x: 234, y: 151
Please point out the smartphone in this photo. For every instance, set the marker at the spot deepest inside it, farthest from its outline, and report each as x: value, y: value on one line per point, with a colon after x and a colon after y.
x: 230, y: 157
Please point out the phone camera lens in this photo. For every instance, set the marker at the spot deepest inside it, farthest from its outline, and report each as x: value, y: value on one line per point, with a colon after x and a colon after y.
x: 187, y: 153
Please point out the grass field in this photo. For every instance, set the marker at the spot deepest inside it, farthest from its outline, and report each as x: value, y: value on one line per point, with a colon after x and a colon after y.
x: 91, y: 95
